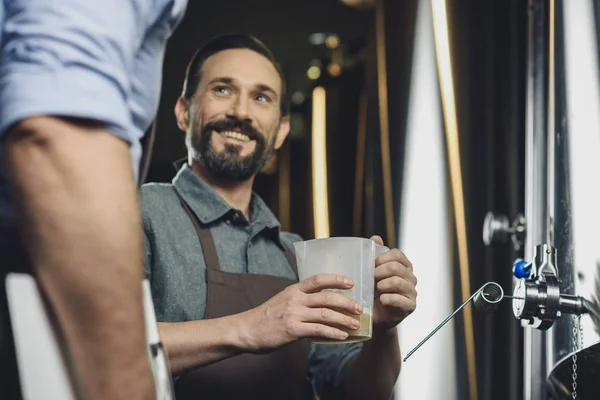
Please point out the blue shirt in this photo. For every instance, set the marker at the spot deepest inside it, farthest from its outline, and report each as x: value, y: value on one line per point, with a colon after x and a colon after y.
x: 95, y: 59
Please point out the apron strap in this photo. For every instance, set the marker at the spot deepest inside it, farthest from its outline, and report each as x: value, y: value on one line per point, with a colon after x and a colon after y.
x: 291, y: 257
x: 207, y: 242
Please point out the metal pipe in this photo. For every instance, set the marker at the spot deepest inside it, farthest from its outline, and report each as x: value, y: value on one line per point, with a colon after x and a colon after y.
x: 570, y: 304
x: 559, y: 339
x: 535, y: 186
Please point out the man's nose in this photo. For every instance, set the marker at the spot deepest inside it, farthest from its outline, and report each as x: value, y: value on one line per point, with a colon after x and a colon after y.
x: 239, y: 109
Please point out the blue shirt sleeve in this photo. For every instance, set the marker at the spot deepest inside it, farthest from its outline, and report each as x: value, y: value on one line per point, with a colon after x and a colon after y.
x: 70, y: 58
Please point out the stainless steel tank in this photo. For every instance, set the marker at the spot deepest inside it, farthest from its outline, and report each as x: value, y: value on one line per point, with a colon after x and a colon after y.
x: 555, y: 289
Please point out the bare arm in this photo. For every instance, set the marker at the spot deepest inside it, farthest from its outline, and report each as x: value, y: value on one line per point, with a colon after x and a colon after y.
x: 198, y: 343
x: 299, y: 311
x: 375, y: 370
x: 78, y: 215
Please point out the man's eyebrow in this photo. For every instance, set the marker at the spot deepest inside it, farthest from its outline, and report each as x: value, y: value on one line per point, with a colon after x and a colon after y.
x: 261, y: 87
x: 222, y: 79
x: 228, y: 80
x: 266, y: 88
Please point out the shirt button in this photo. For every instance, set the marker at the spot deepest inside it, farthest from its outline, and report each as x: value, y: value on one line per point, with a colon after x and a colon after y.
x: 236, y: 217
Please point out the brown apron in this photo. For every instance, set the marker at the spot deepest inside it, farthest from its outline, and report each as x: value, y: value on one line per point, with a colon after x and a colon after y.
x: 281, y: 374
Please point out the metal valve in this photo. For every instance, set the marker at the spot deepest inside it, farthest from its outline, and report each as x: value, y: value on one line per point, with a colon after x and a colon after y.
x: 521, y: 269
x: 497, y: 229
x: 538, y: 300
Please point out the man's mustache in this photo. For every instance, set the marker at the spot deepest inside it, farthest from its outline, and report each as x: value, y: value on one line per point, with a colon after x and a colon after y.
x: 234, y: 125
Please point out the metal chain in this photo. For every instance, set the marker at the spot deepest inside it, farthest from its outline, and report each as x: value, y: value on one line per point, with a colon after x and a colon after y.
x: 574, y: 348
x: 577, y: 344
x: 580, y: 334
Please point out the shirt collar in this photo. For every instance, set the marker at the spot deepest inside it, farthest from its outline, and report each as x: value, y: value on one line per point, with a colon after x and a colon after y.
x: 209, y: 206
x: 260, y: 214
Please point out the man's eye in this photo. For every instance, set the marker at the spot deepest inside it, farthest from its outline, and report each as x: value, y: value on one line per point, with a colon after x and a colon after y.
x: 221, y: 89
x: 263, y: 98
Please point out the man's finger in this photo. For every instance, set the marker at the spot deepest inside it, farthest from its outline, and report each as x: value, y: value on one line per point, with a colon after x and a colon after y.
x: 329, y: 317
x: 334, y: 301
x: 377, y: 239
x: 399, y: 302
x: 394, y: 255
x: 318, y: 282
x: 394, y: 268
x: 396, y: 284
x: 319, y: 331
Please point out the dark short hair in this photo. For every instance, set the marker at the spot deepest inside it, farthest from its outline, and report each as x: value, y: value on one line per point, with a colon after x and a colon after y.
x: 226, y: 42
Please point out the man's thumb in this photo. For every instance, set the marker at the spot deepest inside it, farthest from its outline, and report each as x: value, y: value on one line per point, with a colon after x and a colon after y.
x: 377, y: 239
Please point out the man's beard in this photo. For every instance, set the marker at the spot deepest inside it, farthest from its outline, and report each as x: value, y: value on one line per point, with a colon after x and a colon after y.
x: 229, y: 164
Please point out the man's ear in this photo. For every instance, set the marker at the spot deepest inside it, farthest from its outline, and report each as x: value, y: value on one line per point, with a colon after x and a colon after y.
x: 284, y: 129
x: 182, y: 114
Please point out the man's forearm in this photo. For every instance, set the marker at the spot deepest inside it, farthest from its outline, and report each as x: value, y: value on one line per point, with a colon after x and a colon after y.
x: 196, y: 344
x: 77, y: 211
x: 375, y: 370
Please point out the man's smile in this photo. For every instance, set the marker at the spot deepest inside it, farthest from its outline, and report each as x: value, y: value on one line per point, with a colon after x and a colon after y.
x: 237, y: 136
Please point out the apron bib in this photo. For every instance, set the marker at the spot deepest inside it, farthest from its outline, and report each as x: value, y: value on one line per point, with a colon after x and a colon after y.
x: 281, y: 374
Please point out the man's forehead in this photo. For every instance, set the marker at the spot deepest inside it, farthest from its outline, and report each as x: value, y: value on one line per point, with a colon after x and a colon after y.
x: 242, y: 65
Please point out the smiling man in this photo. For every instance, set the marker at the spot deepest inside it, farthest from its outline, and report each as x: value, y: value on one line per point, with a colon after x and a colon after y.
x: 233, y: 316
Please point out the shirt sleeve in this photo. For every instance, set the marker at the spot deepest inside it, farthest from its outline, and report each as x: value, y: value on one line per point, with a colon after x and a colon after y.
x: 328, y: 366
x: 70, y: 58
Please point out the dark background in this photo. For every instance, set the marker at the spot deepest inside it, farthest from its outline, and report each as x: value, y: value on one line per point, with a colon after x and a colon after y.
x: 488, y: 39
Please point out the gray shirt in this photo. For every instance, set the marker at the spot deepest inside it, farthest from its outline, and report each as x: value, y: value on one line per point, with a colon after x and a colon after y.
x: 174, y: 260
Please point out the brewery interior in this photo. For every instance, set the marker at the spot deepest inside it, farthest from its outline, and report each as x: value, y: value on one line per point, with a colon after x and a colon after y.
x: 415, y: 119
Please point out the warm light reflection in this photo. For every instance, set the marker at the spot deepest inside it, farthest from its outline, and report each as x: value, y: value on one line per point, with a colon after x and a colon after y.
x: 319, y: 164
x: 384, y: 127
x: 444, y: 61
x: 332, y: 42
x: 313, y: 72
x: 359, y: 174
x: 284, y: 176
x: 334, y: 69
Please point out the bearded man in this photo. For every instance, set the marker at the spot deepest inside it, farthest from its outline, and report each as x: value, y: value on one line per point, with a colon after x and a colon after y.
x: 232, y: 314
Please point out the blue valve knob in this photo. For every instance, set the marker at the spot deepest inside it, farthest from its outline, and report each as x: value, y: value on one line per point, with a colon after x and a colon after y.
x: 521, y: 269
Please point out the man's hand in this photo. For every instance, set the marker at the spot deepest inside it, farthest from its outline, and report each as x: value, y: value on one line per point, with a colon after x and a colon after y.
x: 301, y: 311
x: 395, y: 288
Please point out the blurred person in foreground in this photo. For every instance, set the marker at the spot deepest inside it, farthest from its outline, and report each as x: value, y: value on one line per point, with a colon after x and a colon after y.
x: 79, y: 85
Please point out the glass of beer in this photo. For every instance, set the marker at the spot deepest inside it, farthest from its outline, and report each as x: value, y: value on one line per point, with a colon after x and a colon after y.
x: 350, y: 256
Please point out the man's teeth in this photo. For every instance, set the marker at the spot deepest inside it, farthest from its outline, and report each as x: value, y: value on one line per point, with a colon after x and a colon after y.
x: 236, y: 135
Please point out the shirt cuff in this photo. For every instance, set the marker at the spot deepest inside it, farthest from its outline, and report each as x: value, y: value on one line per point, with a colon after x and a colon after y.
x: 72, y: 91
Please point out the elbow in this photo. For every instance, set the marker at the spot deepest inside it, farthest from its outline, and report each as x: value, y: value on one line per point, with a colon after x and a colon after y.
x: 62, y: 144
x: 38, y: 145
x: 29, y: 132
x: 44, y: 132
x: 29, y: 147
